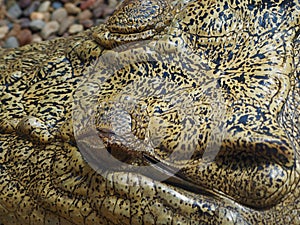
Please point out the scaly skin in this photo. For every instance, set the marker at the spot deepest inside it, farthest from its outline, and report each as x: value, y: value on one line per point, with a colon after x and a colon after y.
x: 214, y: 75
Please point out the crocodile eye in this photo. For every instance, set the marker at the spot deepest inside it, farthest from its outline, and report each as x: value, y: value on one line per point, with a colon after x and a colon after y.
x: 135, y: 16
x: 134, y: 20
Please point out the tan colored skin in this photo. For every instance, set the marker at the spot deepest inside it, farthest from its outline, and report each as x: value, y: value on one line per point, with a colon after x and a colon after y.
x: 251, y: 49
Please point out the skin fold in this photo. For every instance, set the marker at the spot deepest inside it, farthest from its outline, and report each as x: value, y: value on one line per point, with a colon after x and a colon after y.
x: 173, y: 112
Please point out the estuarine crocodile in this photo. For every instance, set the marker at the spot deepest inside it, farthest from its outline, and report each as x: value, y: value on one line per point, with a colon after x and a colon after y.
x: 173, y: 112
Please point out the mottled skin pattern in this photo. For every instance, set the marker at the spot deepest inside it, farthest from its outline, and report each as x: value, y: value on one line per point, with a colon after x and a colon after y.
x: 250, y: 48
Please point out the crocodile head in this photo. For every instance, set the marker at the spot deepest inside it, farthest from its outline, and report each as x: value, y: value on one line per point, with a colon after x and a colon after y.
x: 224, y: 93
x: 185, y: 112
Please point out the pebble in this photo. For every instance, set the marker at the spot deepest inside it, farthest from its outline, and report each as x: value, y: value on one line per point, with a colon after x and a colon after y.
x: 47, y: 16
x: 108, y: 11
x: 72, y: 9
x: 99, y: 3
x: 24, y: 3
x: 3, y: 31
x: 49, y: 29
x: 44, y: 7
x: 99, y: 21
x: 87, y: 23
x: 86, y: 4
x: 15, y: 11
x: 66, y: 24
x: 15, y: 30
x: 11, y: 42
x: 36, y: 25
x: 24, y: 22
x: 3, y: 23
x: 59, y: 14
x: 85, y: 15
x: 10, y: 25
x: 98, y: 12
x: 24, y: 37
x: 75, y: 28
x: 113, y: 3
x: 53, y: 36
x: 36, y: 38
x: 33, y: 7
x: 56, y: 5
x: 2, y: 12
x: 37, y: 16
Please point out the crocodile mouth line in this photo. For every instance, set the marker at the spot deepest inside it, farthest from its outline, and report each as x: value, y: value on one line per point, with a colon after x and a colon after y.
x: 176, y: 180
x: 120, y: 157
x: 159, y: 170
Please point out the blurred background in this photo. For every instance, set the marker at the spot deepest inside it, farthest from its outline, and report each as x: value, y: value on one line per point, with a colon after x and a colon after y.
x: 25, y: 21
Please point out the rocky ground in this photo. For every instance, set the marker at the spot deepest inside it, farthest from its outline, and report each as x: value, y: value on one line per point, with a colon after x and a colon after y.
x: 26, y: 21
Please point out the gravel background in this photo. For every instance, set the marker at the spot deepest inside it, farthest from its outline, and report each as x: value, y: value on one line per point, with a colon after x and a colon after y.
x: 26, y: 21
